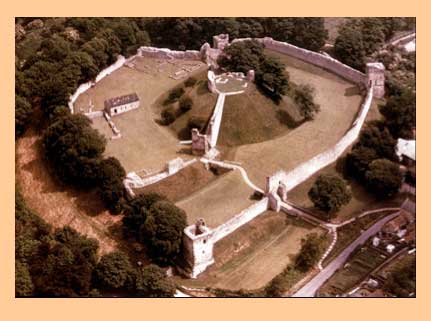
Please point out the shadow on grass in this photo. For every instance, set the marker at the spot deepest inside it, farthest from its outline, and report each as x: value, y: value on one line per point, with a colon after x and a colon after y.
x: 286, y: 119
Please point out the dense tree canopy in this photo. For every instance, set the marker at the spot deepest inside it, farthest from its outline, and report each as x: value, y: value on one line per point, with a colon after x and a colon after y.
x: 270, y: 74
x: 400, y: 113
x: 163, y: 231
x: 152, y: 282
x: 74, y: 148
x: 383, y: 178
x: 113, y: 270
x: 329, y: 193
x: 23, y: 111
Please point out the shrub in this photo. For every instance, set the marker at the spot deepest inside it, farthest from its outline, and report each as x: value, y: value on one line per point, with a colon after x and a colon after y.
x: 329, y: 193
x: 168, y: 115
x: 383, y: 178
x: 190, y: 82
x: 113, y: 270
x: 304, y: 98
x: 175, y: 94
x: 311, y: 250
x: 152, y: 282
x: 186, y: 104
x: 196, y: 122
x: 411, y: 177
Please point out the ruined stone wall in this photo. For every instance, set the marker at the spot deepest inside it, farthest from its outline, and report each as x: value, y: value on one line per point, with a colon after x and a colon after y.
x: 164, y: 53
x: 239, y: 220
x: 308, y: 168
x: 311, y: 57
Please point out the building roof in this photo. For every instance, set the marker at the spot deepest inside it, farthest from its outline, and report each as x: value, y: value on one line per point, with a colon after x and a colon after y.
x: 121, y: 100
x: 399, y: 222
x: 406, y: 148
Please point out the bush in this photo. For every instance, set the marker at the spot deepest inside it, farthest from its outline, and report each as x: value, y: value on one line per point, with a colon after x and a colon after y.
x: 196, y: 122
x: 163, y: 231
x: 383, y: 178
x: 186, y: 104
x: 113, y: 270
x: 168, y: 115
x: 329, y: 193
x: 175, y: 94
x: 304, y: 99
x: 311, y: 250
x: 23, y: 283
x: 411, y: 177
x: 190, y: 82
x: 152, y: 282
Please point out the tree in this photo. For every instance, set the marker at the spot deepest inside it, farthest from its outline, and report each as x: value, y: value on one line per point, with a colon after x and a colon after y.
x: 400, y: 113
x: 311, y: 250
x: 304, y: 98
x: 152, y: 282
x: 23, y: 283
x: 329, y: 193
x: 23, y: 112
x: 270, y: 74
x: 186, y: 103
x: 309, y: 33
x: 358, y: 160
x: 64, y: 264
x: 349, y: 46
x: 383, y: 178
x: 135, y: 212
x: 113, y: 270
x: 163, y: 231
x: 74, y: 148
x: 376, y: 135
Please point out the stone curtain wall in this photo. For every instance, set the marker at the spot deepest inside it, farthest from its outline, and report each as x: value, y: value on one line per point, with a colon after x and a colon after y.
x: 85, y: 86
x: 239, y: 220
x: 308, y: 168
x: 215, y: 121
x: 311, y: 57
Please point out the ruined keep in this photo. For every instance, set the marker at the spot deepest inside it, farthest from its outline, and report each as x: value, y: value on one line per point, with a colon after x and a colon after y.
x: 375, y: 72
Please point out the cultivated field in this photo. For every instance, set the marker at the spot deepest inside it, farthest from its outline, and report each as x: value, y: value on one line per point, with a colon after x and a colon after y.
x: 255, y: 253
x: 356, y: 269
x: 144, y: 144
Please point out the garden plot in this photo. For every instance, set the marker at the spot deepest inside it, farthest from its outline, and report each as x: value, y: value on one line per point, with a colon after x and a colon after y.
x: 145, y: 145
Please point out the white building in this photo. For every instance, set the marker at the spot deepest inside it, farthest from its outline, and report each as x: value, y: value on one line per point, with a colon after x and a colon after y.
x: 118, y: 105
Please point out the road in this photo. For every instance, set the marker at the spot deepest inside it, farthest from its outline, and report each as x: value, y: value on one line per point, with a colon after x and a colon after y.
x: 309, y: 290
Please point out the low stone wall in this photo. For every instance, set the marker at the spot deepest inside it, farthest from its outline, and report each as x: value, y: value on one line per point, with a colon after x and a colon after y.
x: 308, y: 168
x: 164, y: 53
x: 239, y: 220
x: 403, y: 39
x: 133, y: 180
x: 85, y: 86
x: 215, y: 121
x: 311, y: 57
x: 94, y: 114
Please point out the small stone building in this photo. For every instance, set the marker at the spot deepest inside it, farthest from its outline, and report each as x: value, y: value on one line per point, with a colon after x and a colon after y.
x: 118, y: 105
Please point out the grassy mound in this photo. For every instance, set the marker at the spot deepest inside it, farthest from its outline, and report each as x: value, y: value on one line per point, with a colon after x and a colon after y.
x: 247, y: 118
x: 251, y: 118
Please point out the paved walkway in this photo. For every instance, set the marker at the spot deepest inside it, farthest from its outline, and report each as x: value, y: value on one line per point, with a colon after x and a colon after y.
x: 310, y: 289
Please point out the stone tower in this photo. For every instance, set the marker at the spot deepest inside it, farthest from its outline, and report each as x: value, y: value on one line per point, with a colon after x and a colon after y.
x: 198, y: 247
x: 375, y: 72
x: 220, y: 41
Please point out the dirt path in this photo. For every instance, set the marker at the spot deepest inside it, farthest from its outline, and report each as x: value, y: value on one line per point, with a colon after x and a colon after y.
x: 58, y: 205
